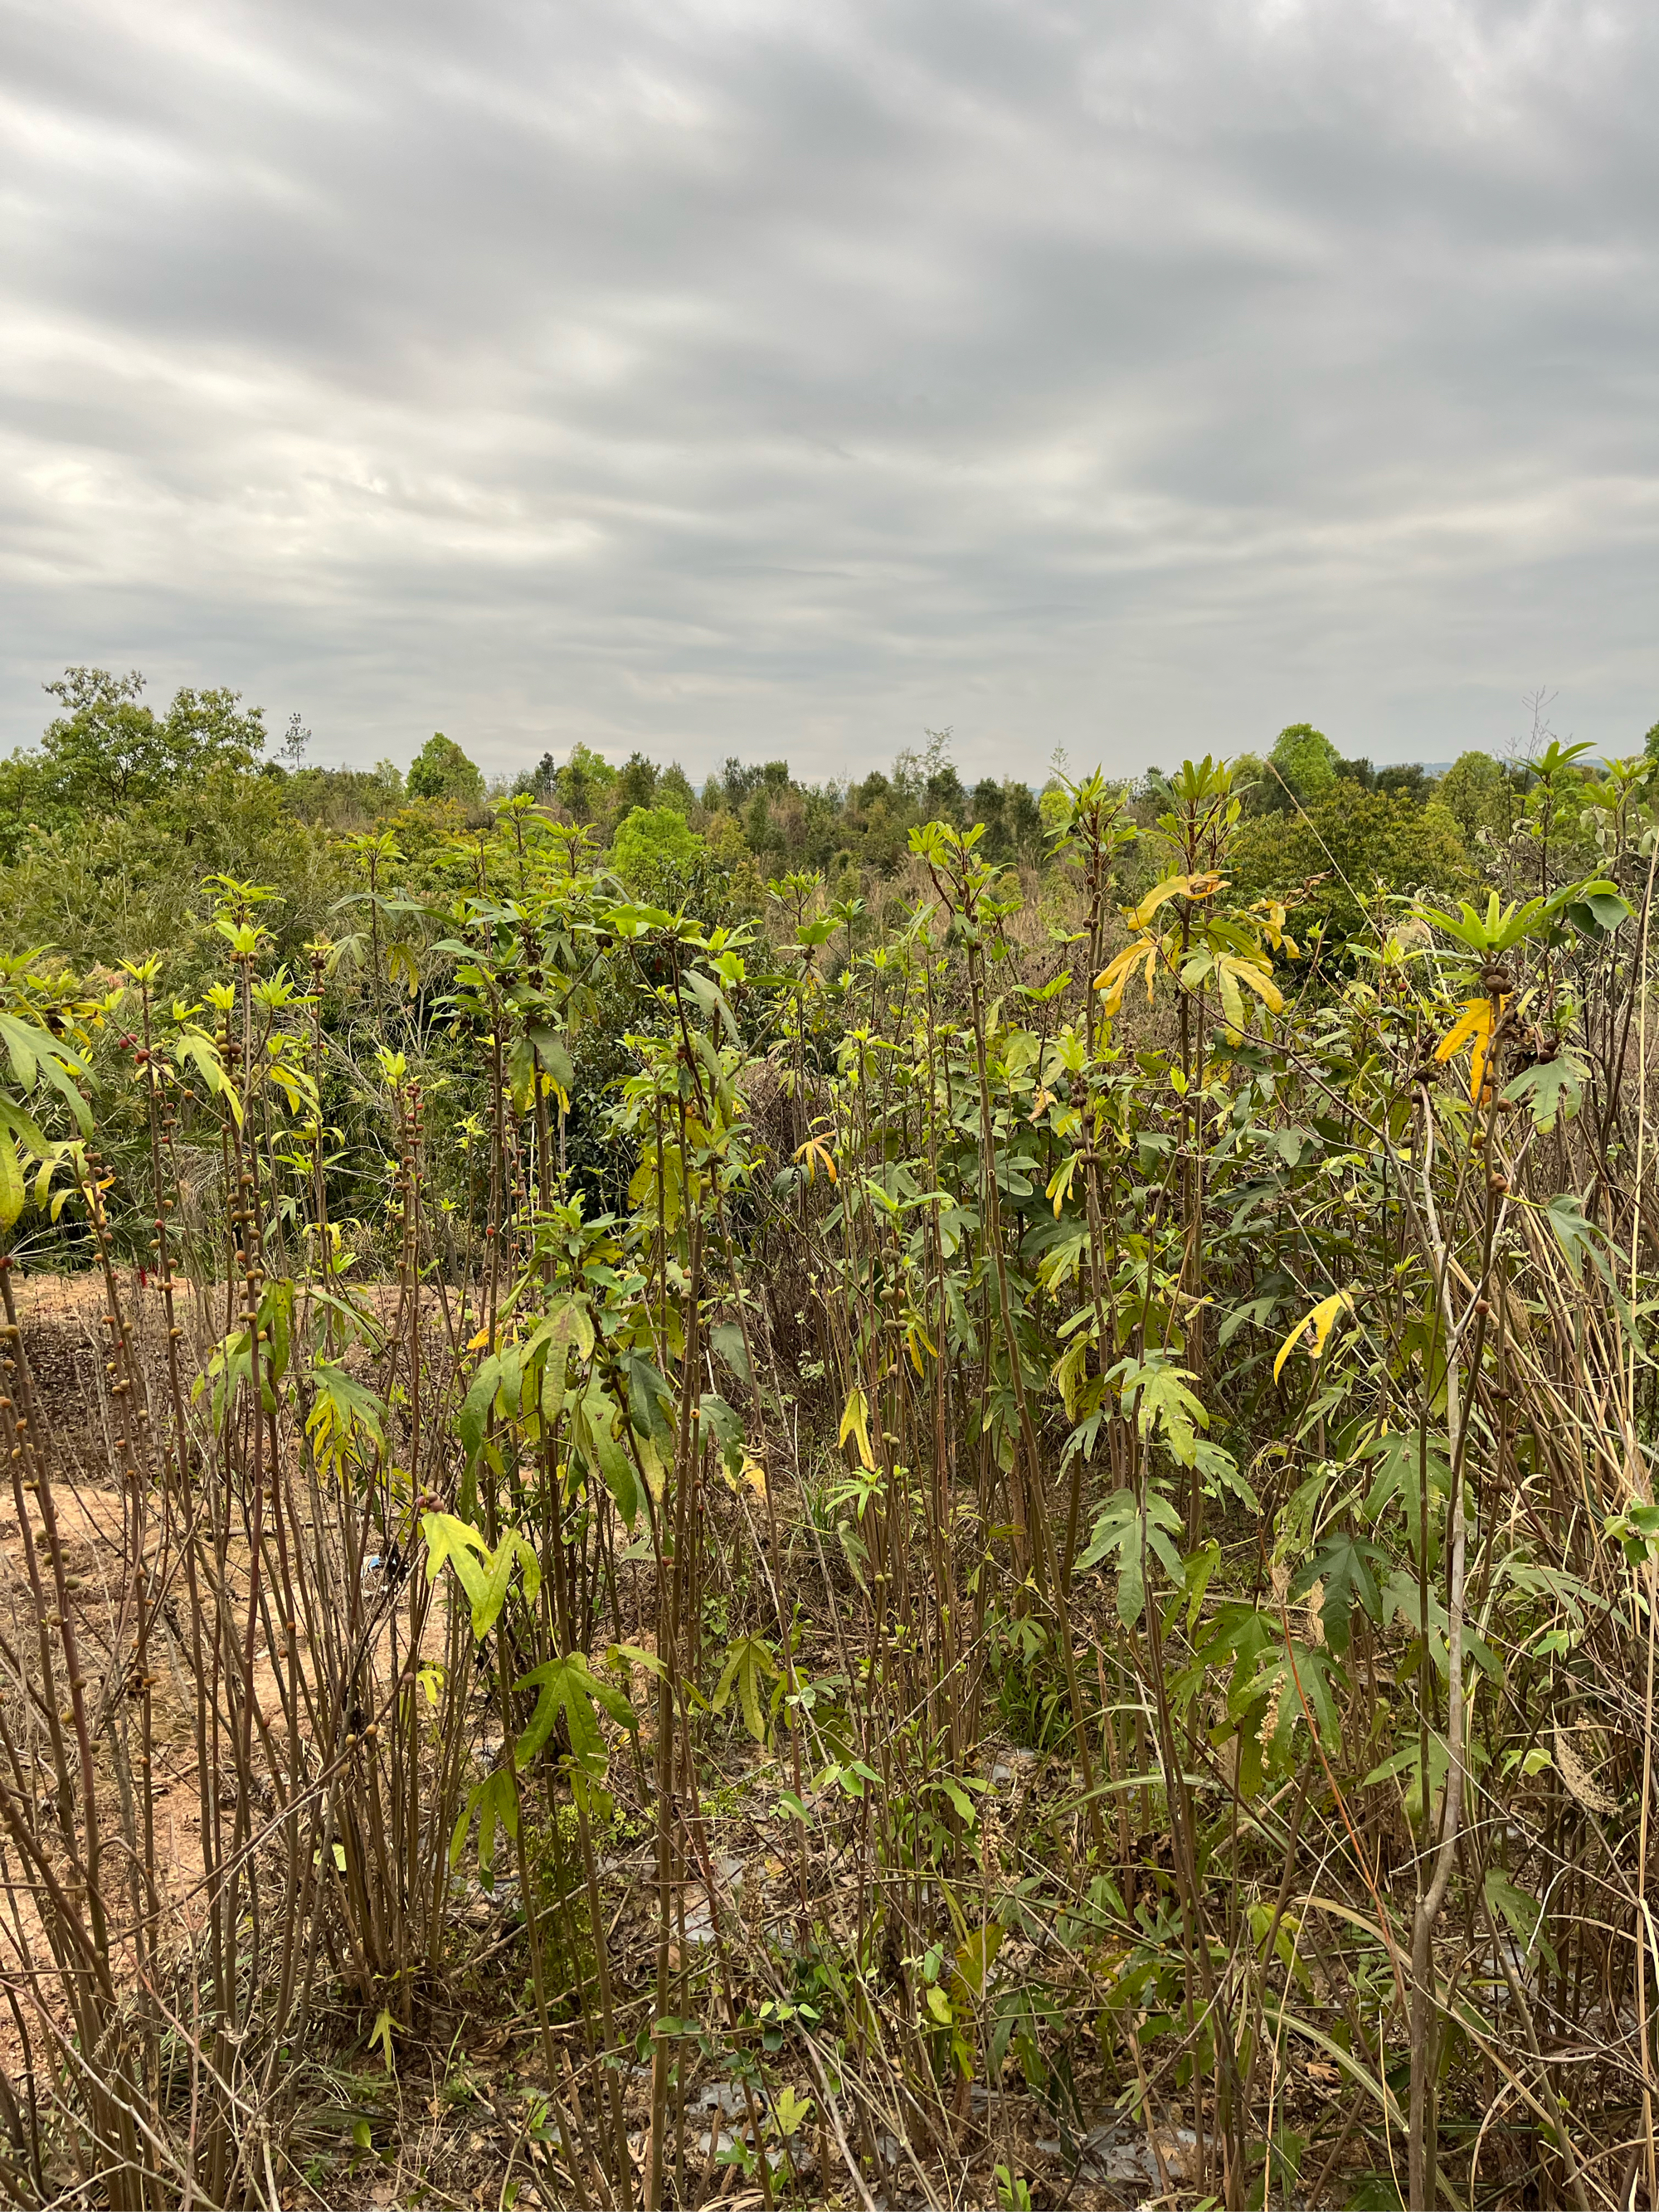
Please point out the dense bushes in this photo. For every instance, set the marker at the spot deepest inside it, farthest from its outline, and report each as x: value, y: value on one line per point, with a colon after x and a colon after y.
x: 984, y: 1530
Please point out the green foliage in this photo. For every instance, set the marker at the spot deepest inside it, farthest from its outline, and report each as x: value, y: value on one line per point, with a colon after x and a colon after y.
x: 486, y: 1577
x: 568, y: 1689
x: 118, y: 885
x: 657, y: 855
x: 1306, y: 761
x: 1047, y: 1306
x: 584, y: 783
x: 107, y: 750
x: 441, y: 770
x: 1343, y: 852
x: 1133, y: 1532
x: 343, y: 799
x: 748, y: 1662
x: 107, y: 753
x: 1477, y: 792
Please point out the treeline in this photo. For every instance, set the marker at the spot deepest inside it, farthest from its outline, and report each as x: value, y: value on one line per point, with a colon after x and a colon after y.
x: 109, y: 826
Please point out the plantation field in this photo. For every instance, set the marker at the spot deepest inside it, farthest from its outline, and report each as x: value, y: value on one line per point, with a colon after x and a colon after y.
x: 968, y: 1523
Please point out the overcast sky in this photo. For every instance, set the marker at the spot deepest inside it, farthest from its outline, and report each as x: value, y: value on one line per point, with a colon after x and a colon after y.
x: 761, y: 378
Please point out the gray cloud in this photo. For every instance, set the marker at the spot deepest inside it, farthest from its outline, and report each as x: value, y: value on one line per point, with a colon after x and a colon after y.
x: 736, y: 377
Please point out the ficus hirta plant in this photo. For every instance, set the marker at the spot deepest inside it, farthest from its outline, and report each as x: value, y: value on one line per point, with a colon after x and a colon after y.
x: 1007, y: 1506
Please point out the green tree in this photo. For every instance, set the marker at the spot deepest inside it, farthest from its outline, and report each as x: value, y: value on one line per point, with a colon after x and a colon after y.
x: 1480, y: 795
x: 441, y: 770
x: 764, y: 838
x: 1012, y: 818
x: 345, y: 799
x: 108, y: 752
x: 584, y: 781
x: 674, y: 789
x: 25, y: 802
x: 1255, y: 784
x: 945, y: 799
x: 636, y: 786
x: 118, y: 883
x: 1410, y: 779
x: 108, y: 749
x: 539, y: 782
x: 1307, y: 760
x: 739, y: 783
x: 1345, y: 849
x: 657, y: 855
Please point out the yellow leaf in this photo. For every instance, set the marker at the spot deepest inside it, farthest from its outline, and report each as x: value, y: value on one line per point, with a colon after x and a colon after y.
x: 1060, y: 1182
x: 1474, y: 1014
x: 1474, y: 1027
x: 11, y: 1181
x: 1113, y: 977
x: 1192, y: 887
x: 1260, y: 979
x: 1117, y: 967
x: 651, y: 1466
x: 1273, y: 916
x: 1321, y: 1321
x: 480, y: 1342
x: 812, y: 1152
x: 855, y: 1422
x: 751, y: 1473
x: 974, y: 1958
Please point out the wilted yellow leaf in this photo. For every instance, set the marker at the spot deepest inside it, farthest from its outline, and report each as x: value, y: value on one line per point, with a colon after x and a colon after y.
x: 1192, y: 887
x: 1474, y: 1027
x: 1321, y: 1321
x: 855, y: 1422
x: 1113, y: 977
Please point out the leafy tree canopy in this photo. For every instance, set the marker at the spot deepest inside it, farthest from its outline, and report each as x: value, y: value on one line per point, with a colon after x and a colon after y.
x: 584, y: 781
x: 674, y: 789
x: 107, y: 750
x: 441, y: 770
x: 636, y: 786
x: 346, y: 799
x: 657, y: 855
x: 1479, y: 794
x: 1348, y: 847
x: 1307, y: 760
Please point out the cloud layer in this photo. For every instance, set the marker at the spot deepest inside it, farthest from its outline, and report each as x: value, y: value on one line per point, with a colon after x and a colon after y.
x: 728, y: 376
